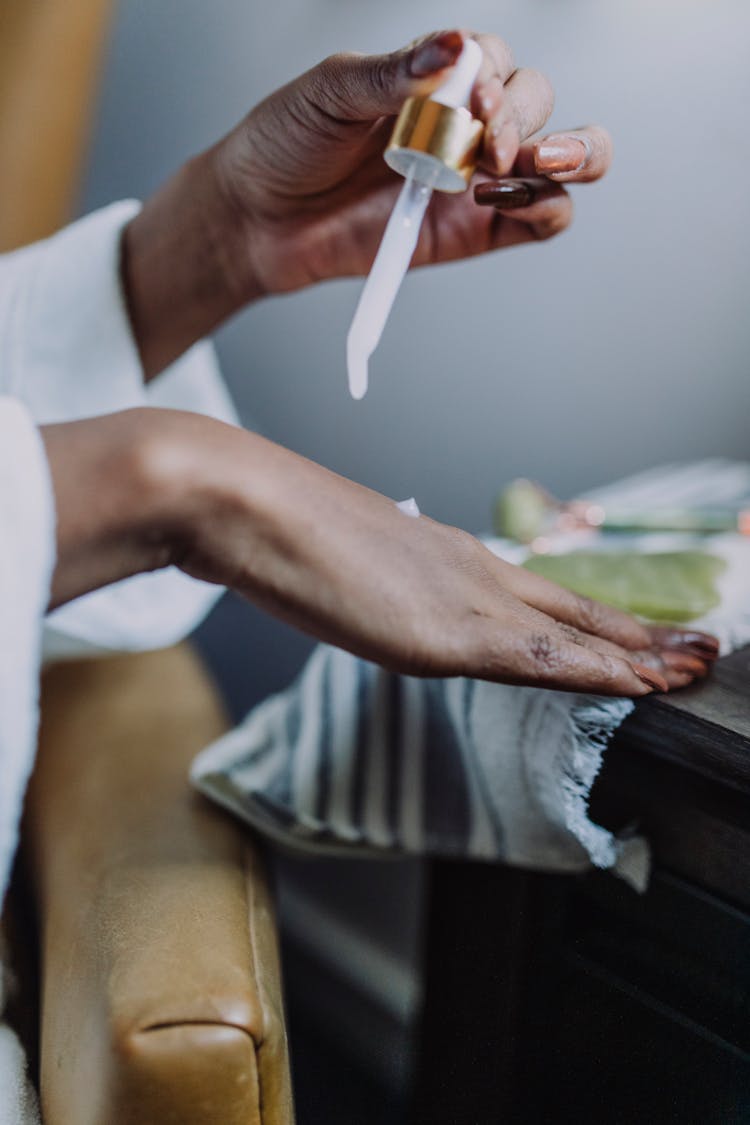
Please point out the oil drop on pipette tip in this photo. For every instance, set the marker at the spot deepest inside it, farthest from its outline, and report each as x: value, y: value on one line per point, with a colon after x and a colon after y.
x: 434, y: 146
x: 356, y: 363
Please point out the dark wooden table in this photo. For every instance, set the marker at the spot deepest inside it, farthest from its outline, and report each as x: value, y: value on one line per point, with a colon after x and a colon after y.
x: 555, y: 999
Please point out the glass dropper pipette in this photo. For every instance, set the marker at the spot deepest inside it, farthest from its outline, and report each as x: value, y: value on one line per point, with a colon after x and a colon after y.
x: 443, y: 142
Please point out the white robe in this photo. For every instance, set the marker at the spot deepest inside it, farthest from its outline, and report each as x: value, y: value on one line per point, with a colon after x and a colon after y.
x: 66, y: 351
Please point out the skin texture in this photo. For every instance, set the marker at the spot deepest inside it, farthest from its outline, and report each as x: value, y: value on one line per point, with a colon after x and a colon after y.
x: 297, y: 193
x: 335, y: 559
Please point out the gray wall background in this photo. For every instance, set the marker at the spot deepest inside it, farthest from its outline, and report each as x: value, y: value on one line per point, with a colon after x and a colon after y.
x: 622, y: 344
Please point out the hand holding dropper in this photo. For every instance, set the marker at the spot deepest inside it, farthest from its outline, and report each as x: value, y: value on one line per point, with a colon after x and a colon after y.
x: 433, y: 146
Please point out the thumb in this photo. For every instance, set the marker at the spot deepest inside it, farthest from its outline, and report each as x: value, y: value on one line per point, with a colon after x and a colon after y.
x: 365, y: 87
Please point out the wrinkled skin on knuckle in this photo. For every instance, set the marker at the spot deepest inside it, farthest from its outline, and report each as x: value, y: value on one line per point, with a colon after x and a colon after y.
x: 333, y: 67
x: 593, y: 617
x: 348, y: 80
x: 329, y: 84
x: 609, y: 674
x: 572, y: 634
x: 381, y: 74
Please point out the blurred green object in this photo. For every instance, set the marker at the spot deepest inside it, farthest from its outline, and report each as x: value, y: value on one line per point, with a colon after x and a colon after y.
x: 521, y: 511
x: 672, y: 586
x: 525, y: 511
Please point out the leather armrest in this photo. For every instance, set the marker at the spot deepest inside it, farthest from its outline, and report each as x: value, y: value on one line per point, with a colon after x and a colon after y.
x: 50, y: 56
x: 161, y: 998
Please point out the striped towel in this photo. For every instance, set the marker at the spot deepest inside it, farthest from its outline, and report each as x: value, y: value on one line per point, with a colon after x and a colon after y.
x: 354, y: 759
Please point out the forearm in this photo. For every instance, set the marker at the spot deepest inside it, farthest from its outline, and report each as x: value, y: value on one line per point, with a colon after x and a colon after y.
x: 148, y: 488
x: 183, y: 268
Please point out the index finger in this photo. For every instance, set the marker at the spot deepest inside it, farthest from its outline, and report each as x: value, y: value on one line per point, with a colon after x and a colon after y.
x: 573, y: 609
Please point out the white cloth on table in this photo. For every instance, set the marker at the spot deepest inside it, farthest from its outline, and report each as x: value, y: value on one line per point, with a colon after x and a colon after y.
x: 353, y: 759
x: 66, y: 351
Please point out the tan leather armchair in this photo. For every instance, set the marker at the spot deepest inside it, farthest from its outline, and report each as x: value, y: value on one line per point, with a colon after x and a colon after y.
x: 50, y: 53
x: 160, y: 998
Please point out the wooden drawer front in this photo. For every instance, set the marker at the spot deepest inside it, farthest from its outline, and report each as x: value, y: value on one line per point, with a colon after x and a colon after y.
x: 617, y: 1057
x: 677, y: 946
x: 697, y: 828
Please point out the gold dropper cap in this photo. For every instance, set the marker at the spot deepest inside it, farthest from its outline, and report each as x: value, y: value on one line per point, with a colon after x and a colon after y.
x: 441, y: 141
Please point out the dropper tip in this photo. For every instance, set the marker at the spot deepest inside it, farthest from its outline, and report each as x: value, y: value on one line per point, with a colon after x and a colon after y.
x: 356, y: 364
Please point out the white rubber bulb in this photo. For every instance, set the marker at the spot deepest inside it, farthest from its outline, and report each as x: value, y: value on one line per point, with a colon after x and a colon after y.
x: 456, y: 90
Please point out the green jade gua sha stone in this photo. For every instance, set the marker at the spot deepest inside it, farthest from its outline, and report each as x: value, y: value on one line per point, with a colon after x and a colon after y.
x: 674, y: 586
x: 521, y: 511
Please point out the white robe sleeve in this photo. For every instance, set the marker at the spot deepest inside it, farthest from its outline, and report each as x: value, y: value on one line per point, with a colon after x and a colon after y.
x: 66, y: 351
x: 27, y: 551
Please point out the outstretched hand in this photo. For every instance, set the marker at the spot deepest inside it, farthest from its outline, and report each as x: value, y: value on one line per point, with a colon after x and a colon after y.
x: 335, y: 559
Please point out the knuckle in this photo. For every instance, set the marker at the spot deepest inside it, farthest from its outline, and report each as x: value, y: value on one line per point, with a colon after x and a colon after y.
x: 572, y: 634
x: 610, y: 671
x: 602, y: 620
x: 331, y: 68
x: 498, y: 51
x: 593, y: 616
x: 332, y: 78
x: 380, y: 75
x: 336, y: 64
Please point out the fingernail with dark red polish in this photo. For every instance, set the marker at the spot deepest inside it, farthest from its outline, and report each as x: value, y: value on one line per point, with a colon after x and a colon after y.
x: 703, y: 651
x: 436, y: 54
x: 505, y: 194
x: 653, y: 679
x: 561, y: 154
x: 702, y: 644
